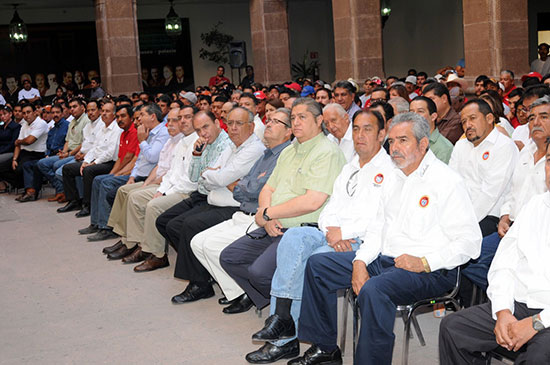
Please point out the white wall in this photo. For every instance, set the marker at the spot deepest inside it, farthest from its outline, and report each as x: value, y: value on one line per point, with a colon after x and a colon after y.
x: 423, y: 34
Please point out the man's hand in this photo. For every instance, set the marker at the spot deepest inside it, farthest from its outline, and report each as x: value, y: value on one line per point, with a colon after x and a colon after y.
x: 273, y: 228
x: 84, y: 165
x: 62, y: 155
x: 409, y: 263
x: 504, y: 319
x: 18, y: 142
x: 334, y: 234
x: 131, y: 180
x: 521, y: 331
x: 79, y: 156
x: 14, y: 164
x: 342, y: 245
x: 142, y: 133
x: 504, y: 225
x: 157, y: 194
x: 231, y: 186
x: 199, y: 145
x: 359, y: 276
x: 259, y: 217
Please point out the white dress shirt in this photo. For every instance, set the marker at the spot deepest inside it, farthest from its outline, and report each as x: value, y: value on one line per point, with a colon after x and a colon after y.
x: 89, y: 133
x: 176, y: 179
x: 233, y: 163
x: 167, y: 154
x: 357, y: 196
x: 346, y: 143
x: 527, y: 181
x: 39, y: 130
x: 520, y: 271
x: 105, y: 145
x: 521, y: 133
x: 487, y: 170
x: 427, y: 214
x: 259, y: 127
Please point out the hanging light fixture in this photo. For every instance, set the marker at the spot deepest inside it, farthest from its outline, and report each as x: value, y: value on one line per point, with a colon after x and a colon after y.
x: 172, y: 23
x: 385, y: 11
x: 17, y: 28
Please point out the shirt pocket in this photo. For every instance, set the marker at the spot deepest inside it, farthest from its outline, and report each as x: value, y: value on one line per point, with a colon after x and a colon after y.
x: 421, y: 218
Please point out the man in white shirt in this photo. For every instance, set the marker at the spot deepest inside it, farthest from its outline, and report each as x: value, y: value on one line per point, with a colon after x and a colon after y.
x: 29, y: 93
x: 518, y: 314
x: 353, y: 207
x: 219, y: 179
x: 340, y: 128
x: 249, y: 101
x: 429, y: 229
x: 145, y: 201
x: 485, y: 159
x: 527, y: 181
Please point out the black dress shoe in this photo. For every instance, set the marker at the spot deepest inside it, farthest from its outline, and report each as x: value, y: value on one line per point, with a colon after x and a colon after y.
x: 315, y: 356
x: 269, y: 353
x: 92, y: 228
x: 70, y: 206
x: 110, y: 249
x: 239, y: 305
x: 84, y: 212
x: 102, y: 235
x: 121, y: 253
x: 192, y: 293
x: 275, y: 328
x: 224, y: 301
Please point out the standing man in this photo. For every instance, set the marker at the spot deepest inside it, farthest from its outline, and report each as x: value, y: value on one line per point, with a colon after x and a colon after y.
x: 219, y: 79
x: 28, y: 92
x: 344, y: 94
x: 542, y: 64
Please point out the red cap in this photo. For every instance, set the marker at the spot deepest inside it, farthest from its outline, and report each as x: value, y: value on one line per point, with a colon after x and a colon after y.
x: 260, y: 95
x: 531, y: 74
x: 294, y: 86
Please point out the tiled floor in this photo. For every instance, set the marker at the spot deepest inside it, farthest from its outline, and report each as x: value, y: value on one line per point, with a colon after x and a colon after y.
x: 62, y: 302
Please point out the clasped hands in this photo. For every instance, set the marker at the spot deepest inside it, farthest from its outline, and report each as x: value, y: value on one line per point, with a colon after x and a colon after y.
x: 511, y: 333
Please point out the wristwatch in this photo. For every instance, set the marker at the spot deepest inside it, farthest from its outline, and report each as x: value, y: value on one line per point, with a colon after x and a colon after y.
x: 537, y: 323
x: 265, y: 216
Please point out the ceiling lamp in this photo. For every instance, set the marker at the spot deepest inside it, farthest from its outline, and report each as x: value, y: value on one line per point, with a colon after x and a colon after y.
x: 172, y: 23
x: 17, y: 28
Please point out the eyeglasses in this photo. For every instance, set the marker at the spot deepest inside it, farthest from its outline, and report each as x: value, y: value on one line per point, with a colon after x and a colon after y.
x: 239, y: 123
x: 254, y: 237
x: 351, y: 186
x: 273, y: 120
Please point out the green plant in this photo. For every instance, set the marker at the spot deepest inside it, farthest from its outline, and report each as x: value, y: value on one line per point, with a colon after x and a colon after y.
x: 219, y: 42
x: 305, y: 68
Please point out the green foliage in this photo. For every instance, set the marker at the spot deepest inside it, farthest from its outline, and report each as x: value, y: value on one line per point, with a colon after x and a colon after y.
x: 305, y: 68
x: 219, y: 42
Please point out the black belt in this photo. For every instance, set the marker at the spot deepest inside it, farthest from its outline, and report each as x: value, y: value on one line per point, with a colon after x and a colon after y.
x: 247, y: 213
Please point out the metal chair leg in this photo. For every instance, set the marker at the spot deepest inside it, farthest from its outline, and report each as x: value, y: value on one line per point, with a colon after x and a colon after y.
x: 406, y: 337
x: 356, y: 316
x: 344, y: 319
x: 418, y: 330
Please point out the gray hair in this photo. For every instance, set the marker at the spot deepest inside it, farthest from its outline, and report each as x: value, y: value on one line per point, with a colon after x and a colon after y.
x: 237, y: 91
x: 248, y: 112
x: 401, y: 105
x: 286, y: 112
x: 420, y: 126
x: 545, y: 100
x: 337, y: 108
x: 153, y: 109
x: 312, y: 106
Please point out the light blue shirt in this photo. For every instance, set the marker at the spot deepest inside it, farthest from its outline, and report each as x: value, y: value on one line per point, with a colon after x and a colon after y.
x: 149, y: 151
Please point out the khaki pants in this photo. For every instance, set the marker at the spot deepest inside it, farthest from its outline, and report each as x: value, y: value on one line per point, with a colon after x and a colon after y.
x: 117, y: 218
x: 208, y: 245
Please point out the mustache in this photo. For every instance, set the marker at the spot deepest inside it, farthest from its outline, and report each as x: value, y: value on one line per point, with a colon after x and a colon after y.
x: 397, y: 155
x: 537, y: 129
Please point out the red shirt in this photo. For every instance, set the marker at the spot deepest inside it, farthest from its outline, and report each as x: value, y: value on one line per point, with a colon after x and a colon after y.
x: 214, y: 80
x: 128, y: 142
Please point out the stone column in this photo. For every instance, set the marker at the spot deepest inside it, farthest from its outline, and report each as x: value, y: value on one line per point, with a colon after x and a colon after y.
x: 495, y: 37
x: 118, y: 46
x: 270, y: 45
x: 357, y: 39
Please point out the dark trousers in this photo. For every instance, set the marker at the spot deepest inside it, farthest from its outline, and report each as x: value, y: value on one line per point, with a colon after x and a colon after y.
x: 388, y: 286
x: 489, y: 225
x: 72, y: 170
x: 464, y: 335
x: 181, y: 223
x: 252, y: 263
x: 15, y: 177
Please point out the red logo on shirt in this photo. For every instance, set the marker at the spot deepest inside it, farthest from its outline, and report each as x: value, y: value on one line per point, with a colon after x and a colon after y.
x: 379, y: 178
x: 424, y: 201
x: 485, y: 155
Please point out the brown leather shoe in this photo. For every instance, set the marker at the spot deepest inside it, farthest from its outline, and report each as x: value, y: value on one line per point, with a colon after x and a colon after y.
x: 152, y: 263
x: 62, y: 199
x: 57, y: 197
x: 135, y: 257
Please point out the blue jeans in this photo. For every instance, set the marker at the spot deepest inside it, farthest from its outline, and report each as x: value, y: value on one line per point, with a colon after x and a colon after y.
x: 477, y: 270
x: 28, y: 174
x: 48, y: 167
x: 100, y: 208
x: 295, y: 248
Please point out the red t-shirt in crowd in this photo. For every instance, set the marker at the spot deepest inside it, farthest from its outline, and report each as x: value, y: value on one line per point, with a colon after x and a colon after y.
x: 214, y: 80
x: 128, y: 142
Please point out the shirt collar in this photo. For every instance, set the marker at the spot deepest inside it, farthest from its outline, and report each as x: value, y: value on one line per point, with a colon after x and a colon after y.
x: 157, y: 128
x: 309, y: 144
x: 491, y: 138
x: 277, y: 149
x: 420, y: 171
x: 376, y: 160
x: 251, y: 139
x: 434, y: 136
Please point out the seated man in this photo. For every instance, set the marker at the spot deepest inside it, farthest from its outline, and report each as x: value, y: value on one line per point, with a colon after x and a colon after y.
x: 151, y: 135
x: 208, y: 244
x: 131, y: 217
x: 485, y: 159
x: 295, y: 193
x: 180, y: 223
x: 448, y: 121
x: 56, y: 140
x: 77, y: 143
x: 30, y: 145
x: 340, y: 127
x: 518, y: 314
x: 527, y: 181
x: 98, y: 161
x: 353, y: 206
x: 429, y: 229
x: 439, y: 145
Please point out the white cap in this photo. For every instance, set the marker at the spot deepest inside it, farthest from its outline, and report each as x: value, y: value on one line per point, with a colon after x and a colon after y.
x: 411, y: 79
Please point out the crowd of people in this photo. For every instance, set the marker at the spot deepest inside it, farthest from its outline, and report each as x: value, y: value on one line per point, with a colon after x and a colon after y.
x: 285, y: 194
